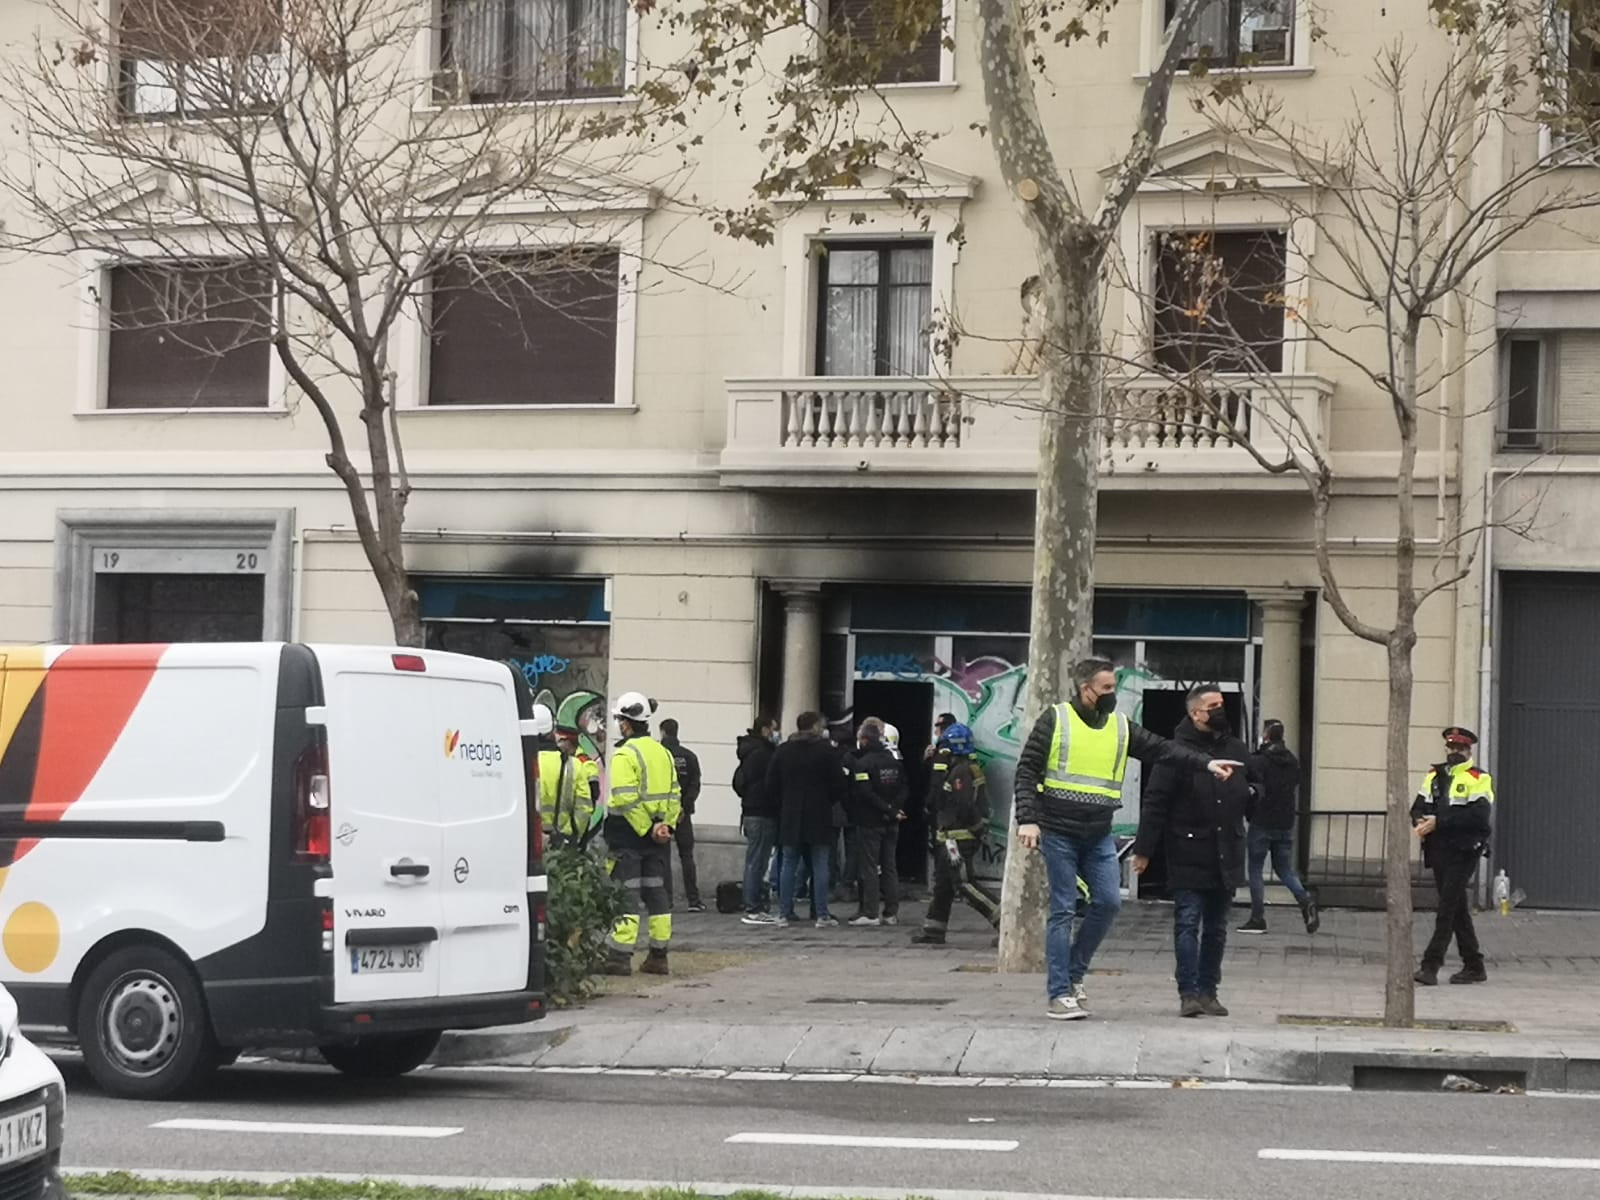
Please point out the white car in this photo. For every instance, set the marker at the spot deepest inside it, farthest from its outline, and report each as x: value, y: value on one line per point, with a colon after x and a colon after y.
x: 32, y: 1105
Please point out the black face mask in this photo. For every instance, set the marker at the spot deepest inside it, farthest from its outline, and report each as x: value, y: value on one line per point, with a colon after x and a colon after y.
x: 1455, y: 758
x: 1217, y: 722
x: 1106, y: 705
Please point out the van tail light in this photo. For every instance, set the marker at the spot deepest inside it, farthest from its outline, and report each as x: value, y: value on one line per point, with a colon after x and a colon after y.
x: 327, y: 929
x: 313, y: 804
x: 409, y: 662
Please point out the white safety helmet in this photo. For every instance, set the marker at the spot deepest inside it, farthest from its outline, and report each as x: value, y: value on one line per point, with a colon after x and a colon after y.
x: 635, y: 706
x: 539, y: 723
x: 891, y: 738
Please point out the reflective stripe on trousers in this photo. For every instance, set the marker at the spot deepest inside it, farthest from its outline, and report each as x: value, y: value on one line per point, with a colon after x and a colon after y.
x: 645, y: 873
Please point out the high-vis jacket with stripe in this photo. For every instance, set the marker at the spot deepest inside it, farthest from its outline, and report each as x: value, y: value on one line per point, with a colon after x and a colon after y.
x: 565, y: 803
x: 644, y: 785
x: 1084, y: 760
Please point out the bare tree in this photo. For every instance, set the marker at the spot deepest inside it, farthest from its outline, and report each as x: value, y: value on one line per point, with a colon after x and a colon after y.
x: 285, y: 177
x: 1404, y: 219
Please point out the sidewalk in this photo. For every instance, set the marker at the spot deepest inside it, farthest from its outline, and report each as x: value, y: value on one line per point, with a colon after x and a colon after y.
x: 863, y: 1001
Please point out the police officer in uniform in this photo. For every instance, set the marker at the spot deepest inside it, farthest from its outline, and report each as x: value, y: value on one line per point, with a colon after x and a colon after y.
x: 1451, y: 815
x: 878, y: 794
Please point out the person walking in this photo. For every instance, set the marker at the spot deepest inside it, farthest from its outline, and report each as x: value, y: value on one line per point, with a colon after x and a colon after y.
x: 644, y: 810
x: 807, y: 783
x: 1452, y: 815
x: 1274, y: 808
x: 959, y: 819
x: 687, y: 763
x: 1068, y: 784
x: 1197, y: 818
x: 758, y: 815
x: 878, y: 795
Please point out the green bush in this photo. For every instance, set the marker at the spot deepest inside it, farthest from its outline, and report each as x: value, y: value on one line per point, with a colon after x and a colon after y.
x: 583, y: 906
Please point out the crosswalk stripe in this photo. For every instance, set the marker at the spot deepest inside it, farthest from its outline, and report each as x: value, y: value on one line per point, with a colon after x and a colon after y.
x: 853, y: 1142
x: 213, y: 1125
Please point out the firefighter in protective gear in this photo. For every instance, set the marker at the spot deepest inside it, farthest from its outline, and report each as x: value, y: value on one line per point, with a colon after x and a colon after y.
x: 585, y: 780
x: 959, y: 817
x: 644, y: 809
x: 1451, y: 815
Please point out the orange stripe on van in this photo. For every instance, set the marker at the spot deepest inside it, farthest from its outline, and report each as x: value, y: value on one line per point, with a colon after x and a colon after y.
x: 90, y: 693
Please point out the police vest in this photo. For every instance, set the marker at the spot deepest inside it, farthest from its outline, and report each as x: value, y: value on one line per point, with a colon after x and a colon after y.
x: 1465, y: 785
x: 1084, y: 759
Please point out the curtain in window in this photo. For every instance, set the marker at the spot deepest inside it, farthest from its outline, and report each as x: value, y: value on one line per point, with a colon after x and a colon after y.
x: 477, y: 44
x: 851, y: 314
x: 600, y: 44
x: 910, y: 310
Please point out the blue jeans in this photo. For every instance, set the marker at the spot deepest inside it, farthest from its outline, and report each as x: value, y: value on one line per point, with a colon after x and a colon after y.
x: 1280, y: 844
x: 1066, y: 858
x: 1199, y: 937
x: 761, y: 835
x: 818, y: 857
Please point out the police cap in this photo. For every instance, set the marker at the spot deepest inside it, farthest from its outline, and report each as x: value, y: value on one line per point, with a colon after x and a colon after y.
x: 1460, y: 735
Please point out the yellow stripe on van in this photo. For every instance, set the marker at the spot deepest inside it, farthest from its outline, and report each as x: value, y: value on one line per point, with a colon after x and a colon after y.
x: 24, y: 671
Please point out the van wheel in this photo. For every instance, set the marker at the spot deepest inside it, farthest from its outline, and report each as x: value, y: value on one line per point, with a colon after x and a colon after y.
x: 142, y: 1025
x: 382, y: 1057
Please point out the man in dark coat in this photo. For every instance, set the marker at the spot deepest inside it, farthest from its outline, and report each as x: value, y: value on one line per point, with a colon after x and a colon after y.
x: 807, y: 782
x: 878, y: 795
x: 1198, y: 820
x: 688, y: 765
x: 758, y: 813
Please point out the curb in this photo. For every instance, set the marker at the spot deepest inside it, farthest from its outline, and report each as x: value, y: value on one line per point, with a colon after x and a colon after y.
x: 956, y: 1052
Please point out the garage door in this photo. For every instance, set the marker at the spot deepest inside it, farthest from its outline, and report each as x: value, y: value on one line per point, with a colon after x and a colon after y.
x: 1548, y: 774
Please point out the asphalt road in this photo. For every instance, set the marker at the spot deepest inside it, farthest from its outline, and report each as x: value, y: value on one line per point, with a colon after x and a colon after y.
x: 1172, y: 1144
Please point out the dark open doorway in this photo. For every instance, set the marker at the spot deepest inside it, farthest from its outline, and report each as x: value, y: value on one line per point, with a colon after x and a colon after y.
x: 909, y: 707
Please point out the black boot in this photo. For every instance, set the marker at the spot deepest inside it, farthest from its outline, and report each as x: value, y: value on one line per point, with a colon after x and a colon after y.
x: 1473, y: 974
x: 929, y: 937
x: 1427, y: 975
x: 655, y: 963
x: 617, y: 964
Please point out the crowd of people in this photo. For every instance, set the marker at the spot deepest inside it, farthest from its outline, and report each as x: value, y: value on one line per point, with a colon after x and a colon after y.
x: 817, y: 816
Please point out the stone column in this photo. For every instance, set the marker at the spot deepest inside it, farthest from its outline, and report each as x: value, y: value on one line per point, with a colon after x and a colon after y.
x: 1280, y: 662
x: 802, y: 651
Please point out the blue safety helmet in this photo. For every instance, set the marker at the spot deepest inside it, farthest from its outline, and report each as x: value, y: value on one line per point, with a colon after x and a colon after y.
x: 957, y: 739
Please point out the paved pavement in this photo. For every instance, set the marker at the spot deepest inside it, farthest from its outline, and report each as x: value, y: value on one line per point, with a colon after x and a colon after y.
x: 474, y: 1127
x: 865, y: 1001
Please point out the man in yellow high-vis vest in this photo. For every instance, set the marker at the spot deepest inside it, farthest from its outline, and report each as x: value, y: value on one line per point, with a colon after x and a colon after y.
x: 1068, y: 786
x: 643, y: 810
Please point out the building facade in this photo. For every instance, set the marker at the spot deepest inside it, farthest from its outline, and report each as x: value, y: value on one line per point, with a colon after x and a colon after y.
x: 790, y: 493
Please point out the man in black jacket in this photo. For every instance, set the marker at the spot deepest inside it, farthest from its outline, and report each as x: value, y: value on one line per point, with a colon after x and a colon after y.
x: 1452, y: 814
x: 878, y: 794
x: 688, y: 764
x: 959, y: 818
x: 758, y: 816
x: 1068, y: 785
x: 1198, y: 819
x: 807, y: 781
x: 1276, y: 772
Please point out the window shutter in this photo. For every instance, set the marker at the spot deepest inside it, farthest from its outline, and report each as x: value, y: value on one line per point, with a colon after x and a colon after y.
x: 1578, y: 391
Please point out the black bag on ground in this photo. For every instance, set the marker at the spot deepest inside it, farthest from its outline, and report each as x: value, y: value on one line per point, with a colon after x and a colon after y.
x: 730, y: 896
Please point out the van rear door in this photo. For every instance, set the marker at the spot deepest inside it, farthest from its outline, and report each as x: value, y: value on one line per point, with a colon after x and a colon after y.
x: 484, y: 829
x: 385, y: 753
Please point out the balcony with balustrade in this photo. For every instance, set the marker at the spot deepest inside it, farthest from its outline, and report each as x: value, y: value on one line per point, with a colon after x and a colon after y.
x: 983, y: 432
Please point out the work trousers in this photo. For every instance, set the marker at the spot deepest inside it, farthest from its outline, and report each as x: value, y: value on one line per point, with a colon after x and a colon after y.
x: 877, y: 850
x: 645, y: 872
x: 1453, y: 867
x: 952, y: 879
x: 684, y: 836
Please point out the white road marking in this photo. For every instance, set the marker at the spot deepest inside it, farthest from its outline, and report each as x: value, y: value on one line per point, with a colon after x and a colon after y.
x: 852, y: 1142
x: 211, y: 1125
x: 1405, y: 1159
x: 703, y: 1188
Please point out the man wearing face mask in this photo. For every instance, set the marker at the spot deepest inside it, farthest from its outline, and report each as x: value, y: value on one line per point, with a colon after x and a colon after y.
x: 1197, y: 818
x: 1452, y: 817
x: 1068, y: 786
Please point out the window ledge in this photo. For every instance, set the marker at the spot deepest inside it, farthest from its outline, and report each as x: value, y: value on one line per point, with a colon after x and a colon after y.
x: 431, y: 108
x: 259, y: 411
x: 439, y: 410
x: 932, y: 85
x: 1289, y: 71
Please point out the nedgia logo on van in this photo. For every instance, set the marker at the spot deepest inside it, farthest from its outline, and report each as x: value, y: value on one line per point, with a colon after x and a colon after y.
x: 472, y: 752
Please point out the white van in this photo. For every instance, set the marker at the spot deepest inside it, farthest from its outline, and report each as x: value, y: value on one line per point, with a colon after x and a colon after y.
x: 210, y: 847
x: 32, y: 1108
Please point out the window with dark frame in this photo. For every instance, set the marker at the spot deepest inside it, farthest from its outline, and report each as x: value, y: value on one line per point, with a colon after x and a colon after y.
x: 527, y: 328
x: 517, y: 50
x: 1219, y: 300
x: 866, y: 24
x: 179, y: 608
x: 1576, y: 115
x: 875, y: 305
x: 1524, y: 375
x: 193, y: 58
x: 1240, y: 33
x: 190, y: 334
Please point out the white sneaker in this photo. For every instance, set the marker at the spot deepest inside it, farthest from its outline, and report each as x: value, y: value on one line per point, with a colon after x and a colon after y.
x: 866, y: 922
x: 1065, y: 1008
x: 1081, y: 996
x: 827, y: 922
x: 759, y: 918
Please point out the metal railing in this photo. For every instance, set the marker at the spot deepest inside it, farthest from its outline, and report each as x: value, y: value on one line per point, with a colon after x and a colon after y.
x: 1347, y: 849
